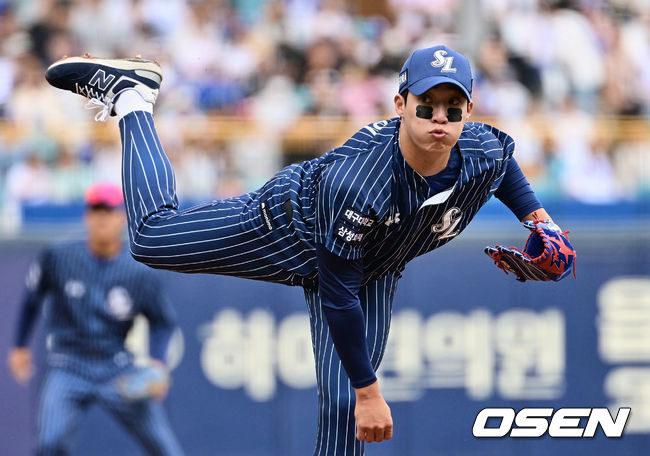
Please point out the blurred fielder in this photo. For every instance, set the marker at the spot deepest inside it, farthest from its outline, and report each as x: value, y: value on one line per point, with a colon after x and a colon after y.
x: 342, y: 226
x: 95, y: 290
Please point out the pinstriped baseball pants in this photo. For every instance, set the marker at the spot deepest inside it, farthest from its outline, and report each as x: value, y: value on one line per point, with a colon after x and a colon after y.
x: 336, y: 434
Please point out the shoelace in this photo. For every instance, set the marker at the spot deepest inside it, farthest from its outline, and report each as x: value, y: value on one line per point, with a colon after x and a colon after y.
x: 106, y: 107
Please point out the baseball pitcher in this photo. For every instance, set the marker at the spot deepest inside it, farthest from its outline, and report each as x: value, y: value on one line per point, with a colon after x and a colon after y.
x: 342, y: 226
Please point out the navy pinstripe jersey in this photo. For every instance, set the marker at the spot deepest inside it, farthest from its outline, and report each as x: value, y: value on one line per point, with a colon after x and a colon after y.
x: 91, y: 302
x: 362, y: 200
x: 371, y: 204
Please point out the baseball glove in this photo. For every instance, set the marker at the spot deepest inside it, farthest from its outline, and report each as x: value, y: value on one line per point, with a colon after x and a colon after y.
x: 151, y: 381
x: 547, y: 255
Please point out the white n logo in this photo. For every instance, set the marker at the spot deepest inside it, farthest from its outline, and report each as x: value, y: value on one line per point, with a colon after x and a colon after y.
x: 449, y: 222
x: 443, y: 62
x: 100, y: 80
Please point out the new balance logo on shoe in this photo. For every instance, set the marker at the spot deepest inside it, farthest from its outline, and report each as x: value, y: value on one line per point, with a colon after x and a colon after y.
x: 100, y: 80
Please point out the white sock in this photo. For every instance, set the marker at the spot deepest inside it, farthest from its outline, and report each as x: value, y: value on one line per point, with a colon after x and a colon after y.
x: 130, y: 100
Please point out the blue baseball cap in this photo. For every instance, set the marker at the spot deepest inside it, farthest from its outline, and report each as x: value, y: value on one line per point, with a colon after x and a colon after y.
x: 428, y: 67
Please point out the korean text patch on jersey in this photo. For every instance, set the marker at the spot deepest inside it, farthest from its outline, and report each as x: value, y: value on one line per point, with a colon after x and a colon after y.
x: 352, y: 225
x: 357, y: 219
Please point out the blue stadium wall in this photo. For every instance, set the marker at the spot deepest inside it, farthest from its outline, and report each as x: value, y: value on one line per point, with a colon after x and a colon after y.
x: 464, y: 337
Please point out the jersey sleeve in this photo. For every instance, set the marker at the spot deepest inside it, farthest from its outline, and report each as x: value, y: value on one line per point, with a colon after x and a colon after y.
x: 345, y: 209
x: 505, y: 139
x: 515, y: 191
x: 339, y: 283
x: 497, y: 145
x: 36, y: 288
x: 160, y: 314
x: 512, y: 188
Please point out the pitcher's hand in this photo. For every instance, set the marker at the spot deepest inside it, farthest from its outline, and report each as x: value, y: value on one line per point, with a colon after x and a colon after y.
x: 372, y: 414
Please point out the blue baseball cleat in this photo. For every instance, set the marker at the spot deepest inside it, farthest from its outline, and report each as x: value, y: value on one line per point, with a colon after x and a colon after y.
x: 102, y: 80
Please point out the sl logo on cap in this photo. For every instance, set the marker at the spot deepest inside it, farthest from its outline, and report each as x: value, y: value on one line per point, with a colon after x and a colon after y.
x: 442, y: 61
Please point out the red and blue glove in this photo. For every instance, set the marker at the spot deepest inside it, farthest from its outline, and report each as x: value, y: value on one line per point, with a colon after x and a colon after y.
x: 547, y: 255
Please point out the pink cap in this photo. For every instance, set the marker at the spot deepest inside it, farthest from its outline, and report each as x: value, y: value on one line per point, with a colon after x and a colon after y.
x: 104, y: 194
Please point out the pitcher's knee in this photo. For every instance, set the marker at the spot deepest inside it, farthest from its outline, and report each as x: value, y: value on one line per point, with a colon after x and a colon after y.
x: 338, y: 402
x: 51, y: 447
x: 337, y: 431
x: 336, y: 418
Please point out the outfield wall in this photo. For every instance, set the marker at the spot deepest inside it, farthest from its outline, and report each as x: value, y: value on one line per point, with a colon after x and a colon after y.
x: 464, y: 336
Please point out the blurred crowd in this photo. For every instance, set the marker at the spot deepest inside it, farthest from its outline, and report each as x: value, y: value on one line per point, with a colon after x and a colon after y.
x: 569, y: 80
